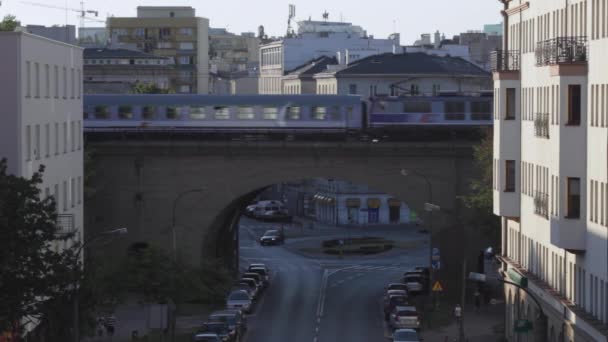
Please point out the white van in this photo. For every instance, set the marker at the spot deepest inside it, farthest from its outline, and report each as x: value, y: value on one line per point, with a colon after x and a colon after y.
x: 269, y: 210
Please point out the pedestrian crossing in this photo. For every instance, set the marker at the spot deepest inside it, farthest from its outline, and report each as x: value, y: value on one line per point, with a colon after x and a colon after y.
x: 279, y: 265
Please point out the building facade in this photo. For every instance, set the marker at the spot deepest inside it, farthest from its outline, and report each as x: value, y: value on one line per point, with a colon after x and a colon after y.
x: 42, y: 118
x: 66, y: 34
x: 551, y: 168
x: 117, y: 71
x: 234, y: 61
x: 403, y: 74
x: 173, y: 32
x: 313, y: 40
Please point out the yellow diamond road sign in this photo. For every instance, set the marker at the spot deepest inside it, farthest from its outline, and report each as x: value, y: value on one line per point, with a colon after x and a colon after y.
x: 437, y: 287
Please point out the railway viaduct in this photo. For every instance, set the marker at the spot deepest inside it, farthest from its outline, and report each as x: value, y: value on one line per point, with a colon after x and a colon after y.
x: 136, y: 180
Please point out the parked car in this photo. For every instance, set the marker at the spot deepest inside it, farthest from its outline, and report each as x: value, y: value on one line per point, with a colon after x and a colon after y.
x: 261, y: 271
x: 253, y: 282
x: 395, y: 292
x: 415, y: 283
x: 206, y: 337
x: 221, y: 329
x: 259, y: 278
x: 251, y: 289
x: 234, y: 318
x: 404, y: 317
x: 396, y: 286
x: 239, y: 300
x: 406, y: 335
x: 425, y: 270
x: 272, y: 237
x: 391, y: 302
x: 259, y: 265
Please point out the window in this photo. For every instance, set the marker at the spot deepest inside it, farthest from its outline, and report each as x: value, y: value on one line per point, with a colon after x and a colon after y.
x: 245, y: 113
x: 102, y: 112
x: 574, y: 198
x: 574, y: 104
x: 162, y: 45
x: 56, y: 195
x: 414, y: 90
x: 481, y: 110
x: 164, y: 32
x: 293, y: 113
x: 79, y: 83
x: 125, y: 112
x: 47, y: 81
x: 352, y: 89
x: 79, y: 183
x: 184, y: 89
x: 510, y: 176
x: 65, y: 137
x: 222, y: 113
x: 73, y: 135
x: 197, y: 113
x: 79, y: 134
x: 186, y: 46
x: 186, y: 31
x: 171, y: 113
x: 28, y: 79
x: 73, y: 192
x: 73, y: 83
x: 271, y: 113
x: 37, y: 142
x: 65, y: 195
x: 319, y: 113
x: 56, y: 138
x: 454, y: 110
x: 65, y: 83
x: 416, y: 107
x: 148, y: 112
x: 47, y: 135
x: 28, y: 143
x: 56, y: 68
x: 139, y: 32
x: 510, y: 103
x: 37, y: 79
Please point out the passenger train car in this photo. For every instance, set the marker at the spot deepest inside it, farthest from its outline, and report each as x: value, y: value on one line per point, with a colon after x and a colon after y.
x: 282, y: 113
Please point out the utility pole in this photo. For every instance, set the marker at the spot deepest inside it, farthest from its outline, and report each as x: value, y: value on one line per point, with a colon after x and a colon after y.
x: 462, y: 296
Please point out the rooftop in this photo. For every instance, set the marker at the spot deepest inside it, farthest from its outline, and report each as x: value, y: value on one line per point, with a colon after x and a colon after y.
x: 313, y: 66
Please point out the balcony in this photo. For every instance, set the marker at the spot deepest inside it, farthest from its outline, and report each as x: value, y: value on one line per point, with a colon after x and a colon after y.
x: 501, y: 61
x: 541, y: 204
x: 541, y: 125
x: 562, y: 50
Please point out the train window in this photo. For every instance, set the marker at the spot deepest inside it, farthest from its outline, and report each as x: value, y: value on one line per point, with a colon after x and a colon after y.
x: 148, y: 112
x: 102, y: 112
x: 245, y: 113
x: 481, y: 110
x: 417, y: 107
x: 222, y: 113
x: 319, y: 113
x: 334, y: 113
x: 171, y: 113
x: 349, y: 112
x: 454, y: 110
x: 125, y: 112
x: 271, y: 113
x: 293, y: 113
x: 197, y: 113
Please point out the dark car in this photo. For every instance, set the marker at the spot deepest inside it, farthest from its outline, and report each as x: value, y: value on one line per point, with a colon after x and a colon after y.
x: 252, y: 283
x: 259, y: 278
x: 261, y: 271
x: 234, y: 318
x: 222, y: 329
x: 392, y: 302
x: 272, y: 237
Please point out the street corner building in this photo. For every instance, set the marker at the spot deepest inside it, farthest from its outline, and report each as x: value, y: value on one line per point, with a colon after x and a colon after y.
x: 551, y: 168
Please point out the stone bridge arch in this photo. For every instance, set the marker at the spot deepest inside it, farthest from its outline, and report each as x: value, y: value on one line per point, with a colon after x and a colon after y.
x: 136, y: 182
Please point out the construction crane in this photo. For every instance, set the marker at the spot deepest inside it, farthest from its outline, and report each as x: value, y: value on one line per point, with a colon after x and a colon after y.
x: 82, y: 11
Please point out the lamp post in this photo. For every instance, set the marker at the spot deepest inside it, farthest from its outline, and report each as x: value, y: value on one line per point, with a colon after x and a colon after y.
x: 173, y: 218
x: 406, y: 173
x: 76, y: 312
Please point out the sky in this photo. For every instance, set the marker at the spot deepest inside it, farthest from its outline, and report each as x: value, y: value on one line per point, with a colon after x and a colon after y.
x: 380, y: 17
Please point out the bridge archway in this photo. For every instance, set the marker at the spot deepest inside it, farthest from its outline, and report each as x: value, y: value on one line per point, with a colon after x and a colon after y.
x: 137, y: 181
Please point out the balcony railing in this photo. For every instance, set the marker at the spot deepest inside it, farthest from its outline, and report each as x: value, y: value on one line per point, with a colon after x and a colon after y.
x: 541, y: 204
x: 501, y: 60
x: 541, y: 125
x: 562, y: 50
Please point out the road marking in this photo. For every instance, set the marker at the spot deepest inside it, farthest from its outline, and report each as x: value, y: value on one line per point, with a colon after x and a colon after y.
x: 321, y: 301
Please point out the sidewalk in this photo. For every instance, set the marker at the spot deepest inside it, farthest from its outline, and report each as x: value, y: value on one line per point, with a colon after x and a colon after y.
x: 478, y: 327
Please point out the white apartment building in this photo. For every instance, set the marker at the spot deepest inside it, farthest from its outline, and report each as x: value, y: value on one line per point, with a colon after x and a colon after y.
x: 314, y: 39
x: 41, y: 118
x: 551, y: 167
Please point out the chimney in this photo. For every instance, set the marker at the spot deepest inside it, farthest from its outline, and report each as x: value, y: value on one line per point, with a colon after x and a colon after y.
x: 346, y: 57
x: 437, y: 39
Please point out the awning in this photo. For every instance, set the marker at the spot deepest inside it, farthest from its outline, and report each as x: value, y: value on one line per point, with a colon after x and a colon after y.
x: 353, y: 202
x: 393, y: 202
x: 373, y: 203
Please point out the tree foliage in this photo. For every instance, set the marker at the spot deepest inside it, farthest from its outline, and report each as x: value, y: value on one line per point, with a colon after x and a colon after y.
x: 38, y: 262
x: 148, y: 88
x: 9, y: 23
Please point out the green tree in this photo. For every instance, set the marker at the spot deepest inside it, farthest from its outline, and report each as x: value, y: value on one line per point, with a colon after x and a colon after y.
x: 480, y: 198
x: 148, y: 88
x: 38, y: 262
x: 9, y: 23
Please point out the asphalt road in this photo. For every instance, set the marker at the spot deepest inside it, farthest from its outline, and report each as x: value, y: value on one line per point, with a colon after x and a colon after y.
x: 320, y: 299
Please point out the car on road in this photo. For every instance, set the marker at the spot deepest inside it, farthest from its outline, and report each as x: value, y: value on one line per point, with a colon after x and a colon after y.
x: 234, y: 319
x: 415, y: 283
x: 257, y: 277
x: 425, y: 270
x: 406, y: 335
x: 395, y: 292
x: 393, y: 301
x: 259, y: 265
x: 250, y: 288
x: 250, y: 210
x: 239, y: 300
x: 253, y: 282
x: 272, y: 237
x: 404, y: 317
x: 396, y: 286
x: 221, y: 329
x: 206, y: 337
x: 261, y: 271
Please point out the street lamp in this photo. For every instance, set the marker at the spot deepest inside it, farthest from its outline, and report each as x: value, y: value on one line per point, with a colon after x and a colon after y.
x: 173, y: 218
x: 113, y: 232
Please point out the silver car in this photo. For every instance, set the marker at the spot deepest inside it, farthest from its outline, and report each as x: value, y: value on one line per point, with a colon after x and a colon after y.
x: 239, y: 300
x: 406, y: 335
x: 206, y: 337
x: 404, y: 317
x: 413, y: 283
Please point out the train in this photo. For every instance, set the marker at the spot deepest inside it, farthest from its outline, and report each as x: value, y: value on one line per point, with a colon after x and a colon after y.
x: 293, y: 114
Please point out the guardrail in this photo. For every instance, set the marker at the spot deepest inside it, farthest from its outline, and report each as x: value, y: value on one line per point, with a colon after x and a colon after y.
x: 541, y: 204
x: 541, y: 125
x: 501, y: 60
x: 562, y: 50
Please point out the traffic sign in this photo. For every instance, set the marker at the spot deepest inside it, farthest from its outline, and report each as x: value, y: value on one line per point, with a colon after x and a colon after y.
x: 435, y: 251
x: 436, y: 264
x: 437, y: 287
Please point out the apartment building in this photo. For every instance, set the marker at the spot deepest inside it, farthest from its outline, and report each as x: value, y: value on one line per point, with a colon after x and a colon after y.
x: 551, y: 167
x: 41, y: 97
x: 173, y: 32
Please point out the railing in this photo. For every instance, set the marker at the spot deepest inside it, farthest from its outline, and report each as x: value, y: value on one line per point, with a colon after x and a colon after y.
x: 541, y: 125
x: 504, y: 60
x: 541, y: 204
x: 561, y: 50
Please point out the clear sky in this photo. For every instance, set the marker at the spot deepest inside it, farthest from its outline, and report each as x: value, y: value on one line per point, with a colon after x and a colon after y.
x: 378, y: 17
